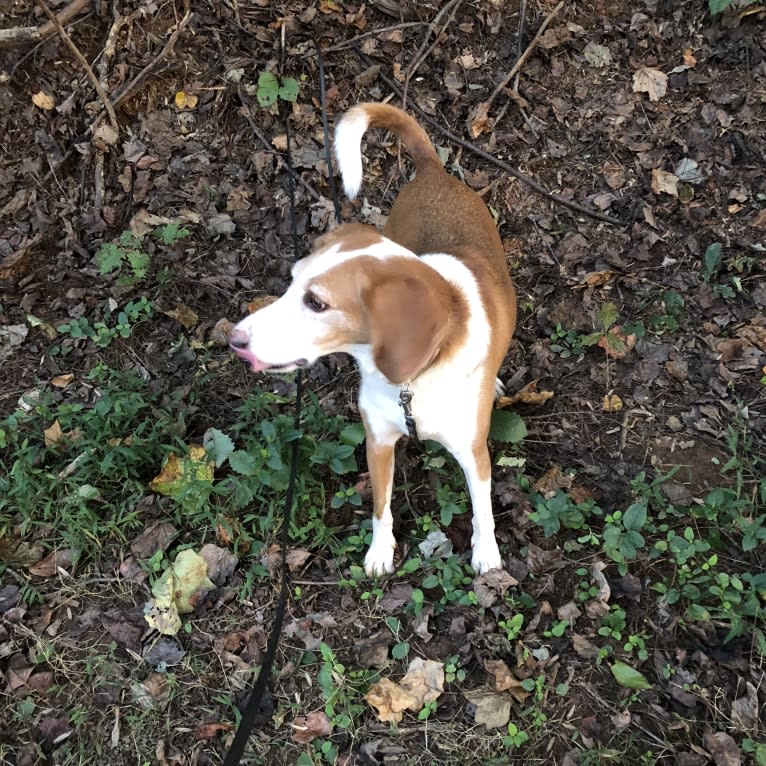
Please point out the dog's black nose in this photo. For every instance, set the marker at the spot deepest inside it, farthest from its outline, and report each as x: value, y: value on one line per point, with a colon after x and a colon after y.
x: 238, y: 338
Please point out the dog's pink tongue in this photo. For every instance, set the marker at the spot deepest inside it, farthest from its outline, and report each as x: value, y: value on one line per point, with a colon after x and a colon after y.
x: 256, y: 365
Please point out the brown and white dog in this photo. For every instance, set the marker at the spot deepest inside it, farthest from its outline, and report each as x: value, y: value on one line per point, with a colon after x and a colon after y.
x: 429, y: 305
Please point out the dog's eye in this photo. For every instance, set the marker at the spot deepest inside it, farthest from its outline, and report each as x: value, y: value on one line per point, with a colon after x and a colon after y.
x: 314, y: 303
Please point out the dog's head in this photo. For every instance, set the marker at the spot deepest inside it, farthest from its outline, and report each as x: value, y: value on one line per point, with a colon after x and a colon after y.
x: 357, y: 292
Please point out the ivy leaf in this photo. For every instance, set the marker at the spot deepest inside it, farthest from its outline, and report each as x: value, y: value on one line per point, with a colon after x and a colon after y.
x: 629, y: 677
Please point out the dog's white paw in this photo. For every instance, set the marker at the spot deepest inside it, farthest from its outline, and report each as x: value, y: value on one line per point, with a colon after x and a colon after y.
x: 500, y: 389
x: 380, y: 557
x: 486, y: 556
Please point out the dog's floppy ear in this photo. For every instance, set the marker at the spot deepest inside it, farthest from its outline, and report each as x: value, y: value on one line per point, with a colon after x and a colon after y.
x: 407, y: 322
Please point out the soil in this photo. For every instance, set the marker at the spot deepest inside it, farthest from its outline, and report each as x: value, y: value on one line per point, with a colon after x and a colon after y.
x: 652, y: 113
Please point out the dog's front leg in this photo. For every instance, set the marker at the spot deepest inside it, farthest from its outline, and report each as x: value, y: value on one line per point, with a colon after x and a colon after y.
x: 477, y: 468
x: 380, y: 463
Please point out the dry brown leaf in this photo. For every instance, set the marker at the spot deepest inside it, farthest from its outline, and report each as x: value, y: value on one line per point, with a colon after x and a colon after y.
x: 528, y: 395
x: 491, y: 586
x: 43, y: 101
x: 184, y: 315
x: 689, y: 59
x: 62, y: 381
x: 504, y: 680
x: 210, y: 730
x: 723, y: 748
x: 664, y: 182
x: 53, y: 434
x: 280, y: 142
x: 584, y: 647
x: 493, y: 709
x: 478, y: 120
x: 259, y: 303
x: 551, y: 481
x: 49, y: 566
x: 759, y: 220
x: 620, y: 348
x: 598, y: 278
x: 311, y: 726
x: 651, y: 81
x: 390, y: 700
x: 423, y: 682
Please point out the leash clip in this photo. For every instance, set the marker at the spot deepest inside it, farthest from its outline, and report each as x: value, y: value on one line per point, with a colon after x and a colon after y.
x: 405, y: 401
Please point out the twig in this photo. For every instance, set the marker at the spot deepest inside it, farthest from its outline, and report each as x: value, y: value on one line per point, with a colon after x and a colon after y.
x: 22, y: 35
x: 499, y: 163
x: 269, y: 148
x: 422, y: 53
x: 131, y: 86
x: 354, y: 40
x: 104, y: 98
x: 527, y: 53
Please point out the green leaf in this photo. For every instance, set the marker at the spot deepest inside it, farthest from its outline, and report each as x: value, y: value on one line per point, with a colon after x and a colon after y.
x: 712, y: 261
x: 218, y: 446
x: 289, y: 89
x: 352, y: 434
x: 716, y: 6
x: 139, y: 262
x: 243, y: 463
x: 268, y: 88
x: 629, y: 677
x: 400, y: 651
x: 507, y: 427
x: 607, y: 315
x: 635, y: 515
x: 109, y: 258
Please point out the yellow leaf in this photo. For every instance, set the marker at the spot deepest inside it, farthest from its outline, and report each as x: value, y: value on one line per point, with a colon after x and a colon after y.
x: 528, y: 395
x: 612, y: 403
x: 186, y: 100
x: 664, y: 182
x: 42, y: 100
x: 178, y: 473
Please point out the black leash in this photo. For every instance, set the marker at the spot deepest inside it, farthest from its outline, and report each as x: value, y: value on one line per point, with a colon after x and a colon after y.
x: 255, y: 704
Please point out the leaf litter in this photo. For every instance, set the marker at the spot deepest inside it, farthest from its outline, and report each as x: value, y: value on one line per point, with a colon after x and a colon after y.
x: 648, y: 114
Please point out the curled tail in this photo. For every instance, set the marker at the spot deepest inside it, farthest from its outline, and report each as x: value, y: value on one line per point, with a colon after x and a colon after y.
x: 356, y: 121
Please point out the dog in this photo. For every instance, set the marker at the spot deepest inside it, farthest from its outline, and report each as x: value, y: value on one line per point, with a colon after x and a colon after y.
x: 427, y: 307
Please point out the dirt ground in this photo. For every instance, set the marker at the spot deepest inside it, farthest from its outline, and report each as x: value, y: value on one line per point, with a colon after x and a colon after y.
x: 650, y: 113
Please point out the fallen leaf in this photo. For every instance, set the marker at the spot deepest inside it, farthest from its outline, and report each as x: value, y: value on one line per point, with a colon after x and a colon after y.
x: 210, y: 730
x: 259, y: 303
x: 43, y: 101
x: 504, y: 680
x: 423, y: 682
x: 478, y: 120
x: 156, y: 537
x: 551, y: 481
x: 723, y: 748
x: 527, y: 395
x: 664, y: 182
x: 492, y: 709
x: 651, y: 81
x: 491, y: 586
x: 612, y: 403
x: 616, y: 344
x: 183, y: 315
x: 309, y: 727
x: 584, y: 647
x: 153, y: 691
x: 597, y: 55
x: 221, y: 562
x: 62, y: 381
x: 49, y: 566
x: 53, y: 434
x: 390, y: 700
x: 629, y: 677
x: 184, y: 100
x: 179, y: 473
x: 689, y: 59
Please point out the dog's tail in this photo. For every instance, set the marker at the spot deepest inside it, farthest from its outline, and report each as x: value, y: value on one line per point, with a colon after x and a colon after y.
x: 356, y: 121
